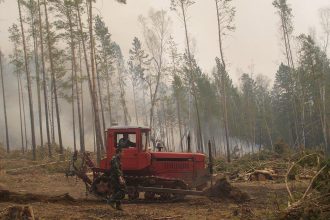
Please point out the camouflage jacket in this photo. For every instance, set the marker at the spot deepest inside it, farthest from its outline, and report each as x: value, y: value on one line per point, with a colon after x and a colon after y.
x: 115, y: 170
x: 124, y: 143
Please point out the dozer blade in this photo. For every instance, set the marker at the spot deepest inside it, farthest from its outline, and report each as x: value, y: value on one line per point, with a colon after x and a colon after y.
x: 169, y: 190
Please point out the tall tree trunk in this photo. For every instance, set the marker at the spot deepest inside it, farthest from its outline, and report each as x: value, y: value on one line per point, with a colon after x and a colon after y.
x: 72, y: 105
x: 224, y: 96
x: 28, y: 84
x: 91, y: 87
x: 44, y: 81
x: 80, y: 106
x: 4, y: 103
x: 101, y: 103
x: 109, y: 98
x: 144, y: 107
x: 37, y: 68
x: 54, y: 83
x: 99, y: 141
x: 179, y: 121
x: 108, y: 81
x: 122, y: 94
x: 51, y: 113
x: 20, y: 113
x: 172, y: 139
x: 199, y: 128
x: 74, y: 82
x: 135, y: 108
x: 23, y: 110
x: 289, y: 57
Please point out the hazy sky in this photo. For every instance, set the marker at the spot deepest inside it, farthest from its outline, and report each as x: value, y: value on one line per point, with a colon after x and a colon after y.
x: 255, y: 43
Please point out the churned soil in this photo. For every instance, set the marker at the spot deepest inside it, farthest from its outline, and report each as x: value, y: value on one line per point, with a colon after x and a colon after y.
x: 54, y: 196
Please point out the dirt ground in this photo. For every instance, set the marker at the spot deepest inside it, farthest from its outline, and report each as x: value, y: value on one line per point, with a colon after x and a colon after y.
x: 266, y: 199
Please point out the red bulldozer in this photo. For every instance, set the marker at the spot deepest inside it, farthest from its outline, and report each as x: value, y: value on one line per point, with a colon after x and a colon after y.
x: 156, y: 175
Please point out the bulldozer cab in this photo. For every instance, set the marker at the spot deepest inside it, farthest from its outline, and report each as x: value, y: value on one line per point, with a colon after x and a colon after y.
x: 134, y: 141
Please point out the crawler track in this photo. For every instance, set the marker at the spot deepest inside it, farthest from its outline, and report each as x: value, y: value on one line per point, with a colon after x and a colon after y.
x: 135, y: 184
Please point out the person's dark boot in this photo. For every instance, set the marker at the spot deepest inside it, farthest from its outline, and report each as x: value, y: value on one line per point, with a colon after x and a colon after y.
x: 111, y: 203
x: 118, y: 206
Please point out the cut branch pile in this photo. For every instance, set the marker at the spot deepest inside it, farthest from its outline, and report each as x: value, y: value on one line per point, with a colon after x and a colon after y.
x: 315, y: 201
x: 314, y: 207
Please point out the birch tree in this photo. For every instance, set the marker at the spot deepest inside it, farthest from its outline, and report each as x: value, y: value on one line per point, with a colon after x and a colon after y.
x: 156, y: 33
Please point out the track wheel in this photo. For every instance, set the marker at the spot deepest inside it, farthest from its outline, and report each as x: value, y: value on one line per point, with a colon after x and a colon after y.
x: 179, y: 185
x: 178, y: 196
x: 133, y: 195
x: 149, y: 195
x: 165, y: 196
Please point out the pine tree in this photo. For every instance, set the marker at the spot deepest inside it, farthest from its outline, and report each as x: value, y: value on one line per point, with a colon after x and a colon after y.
x: 138, y: 64
x: 17, y: 60
x: 28, y: 76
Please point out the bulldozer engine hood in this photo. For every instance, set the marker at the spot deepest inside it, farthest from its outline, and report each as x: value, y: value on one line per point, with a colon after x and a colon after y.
x: 168, y: 156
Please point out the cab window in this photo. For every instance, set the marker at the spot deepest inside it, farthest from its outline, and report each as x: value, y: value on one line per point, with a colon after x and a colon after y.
x: 126, y: 140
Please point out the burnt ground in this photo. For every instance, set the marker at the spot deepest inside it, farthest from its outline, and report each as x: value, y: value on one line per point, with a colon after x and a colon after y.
x: 267, y: 198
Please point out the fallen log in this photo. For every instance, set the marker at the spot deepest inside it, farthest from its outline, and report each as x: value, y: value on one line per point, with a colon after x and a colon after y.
x: 261, y: 175
x: 8, y: 196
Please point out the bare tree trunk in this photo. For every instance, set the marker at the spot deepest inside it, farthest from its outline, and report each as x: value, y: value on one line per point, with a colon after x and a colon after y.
x: 172, y: 138
x: 44, y: 81
x: 135, y: 108
x: 122, y: 95
x: 109, y: 99
x: 28, y: 84
x: 54, y: 84
x: 23, y: 110
x: 74, y: 82
x: 200, y: 137
x: 224, y: 95
x: 82, y: 103
x: 51, y: 113
x: 91, y: 87
x: 179, y: 121
x: 37, y: 67
x: 72, y: 105
x: 20, y: 113
x: 85, y: 55
x: 286, y: 38
x: 144, y: 107
x: 101, y: 103
x: 99, y: 141
x: 80, y: 109
x: 4, y: 103
x: 165, y: 124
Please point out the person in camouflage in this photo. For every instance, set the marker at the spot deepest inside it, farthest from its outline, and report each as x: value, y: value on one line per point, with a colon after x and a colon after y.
x: 124, y: 142
x: 117, y: 181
